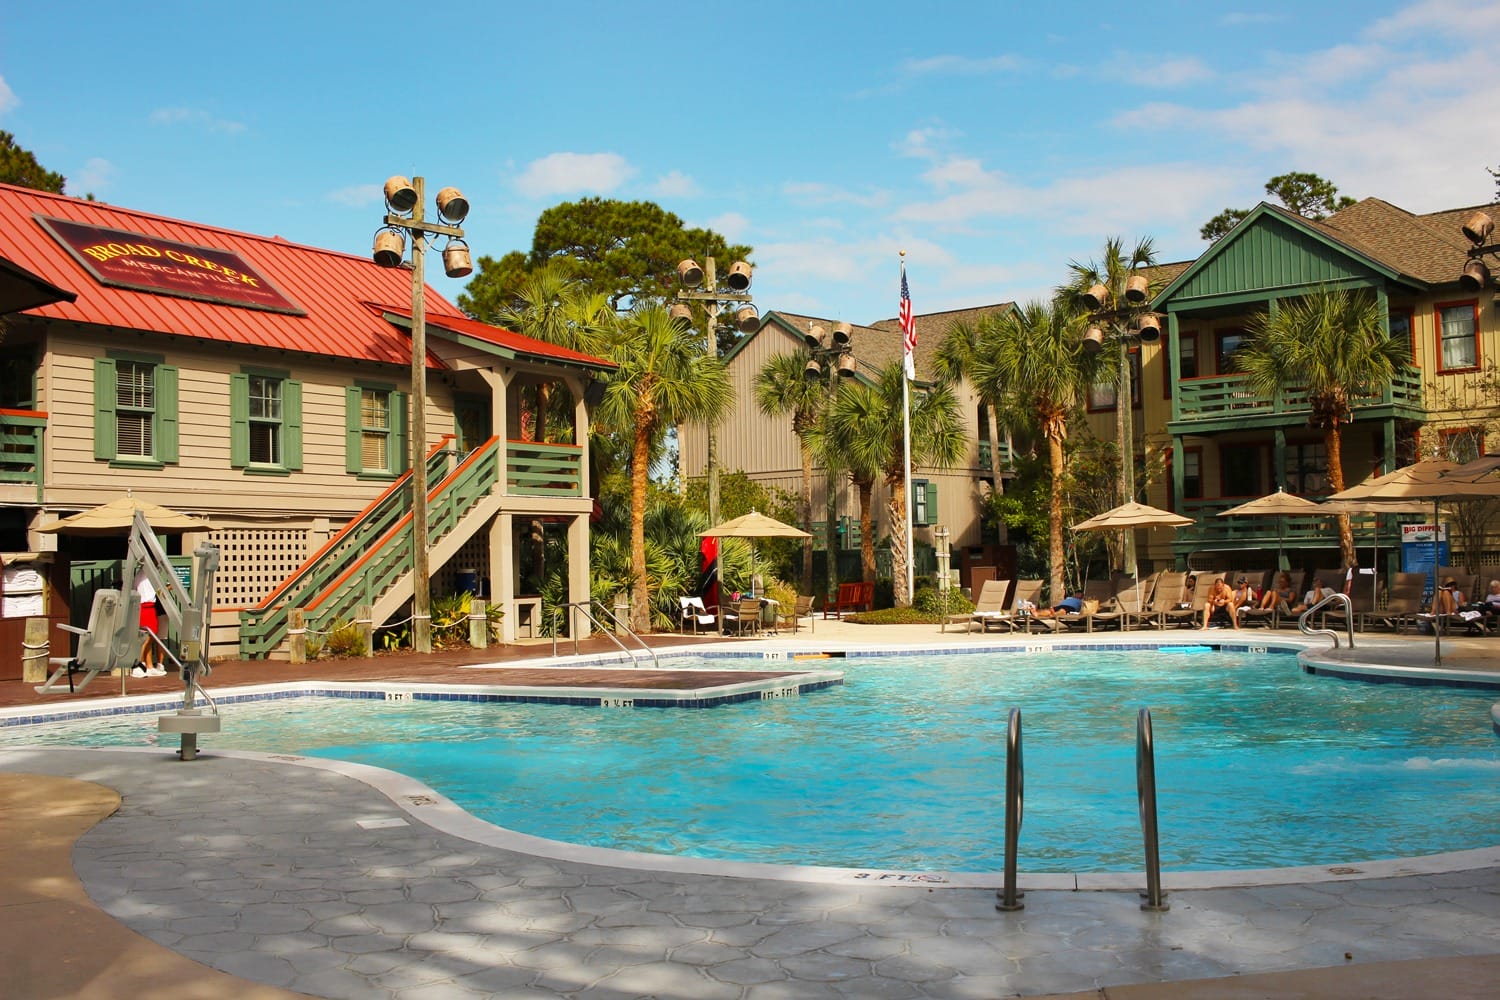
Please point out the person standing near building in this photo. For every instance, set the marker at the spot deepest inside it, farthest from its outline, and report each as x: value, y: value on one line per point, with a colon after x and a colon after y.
x: 148, y: 666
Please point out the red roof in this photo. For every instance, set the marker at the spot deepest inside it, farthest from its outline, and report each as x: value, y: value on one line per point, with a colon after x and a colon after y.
x: 502, y: 337
x: 336, y: 290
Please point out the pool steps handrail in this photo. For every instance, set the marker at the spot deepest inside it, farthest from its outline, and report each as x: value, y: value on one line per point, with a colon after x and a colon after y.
x: 586, y: 608
x: 1008, y: 899
x: 1304, y: 619
x: 1145, y: 783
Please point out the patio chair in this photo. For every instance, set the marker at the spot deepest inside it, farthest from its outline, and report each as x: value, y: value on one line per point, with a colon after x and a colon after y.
x: 1192, y: 615
x: 746, y: 616
x: 1164, y: 589
x: 991, y: 606
x: 803, y: 608
x: 695, y: 615
x: 1403, y: 602
x: 1123, y: 600
x: 1096, y: 594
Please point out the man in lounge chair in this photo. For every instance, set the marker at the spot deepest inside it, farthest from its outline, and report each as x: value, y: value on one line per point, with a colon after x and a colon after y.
x: 1220, y: 599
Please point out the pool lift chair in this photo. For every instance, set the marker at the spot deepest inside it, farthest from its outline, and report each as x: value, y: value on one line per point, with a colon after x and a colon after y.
x: 112, y: 639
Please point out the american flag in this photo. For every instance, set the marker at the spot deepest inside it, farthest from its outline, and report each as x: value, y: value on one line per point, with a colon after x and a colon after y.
x: 908, y: 326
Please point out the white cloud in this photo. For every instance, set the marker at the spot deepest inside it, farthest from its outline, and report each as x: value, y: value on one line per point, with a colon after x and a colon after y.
x: 731, y: 225
x: 357, y: 195
x: 675, y: 184
x: 8, y: 99
x: 197, y: 117
x: 1146, y: 72
x: 95, y: 176
x: 571, y: 173
x: 921, y: 143
x: 1454, y: 18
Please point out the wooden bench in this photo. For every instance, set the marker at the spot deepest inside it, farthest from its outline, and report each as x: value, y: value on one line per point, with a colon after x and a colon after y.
x: 851, y: 597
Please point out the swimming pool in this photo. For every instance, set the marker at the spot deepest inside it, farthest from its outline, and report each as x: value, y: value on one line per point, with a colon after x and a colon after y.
x: 902, y: 767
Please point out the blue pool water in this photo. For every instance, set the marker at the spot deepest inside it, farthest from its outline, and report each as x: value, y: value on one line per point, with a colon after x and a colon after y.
x: 902, y: 767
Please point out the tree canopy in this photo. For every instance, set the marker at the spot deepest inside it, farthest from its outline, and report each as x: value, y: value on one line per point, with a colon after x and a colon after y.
x: 18, y: 166
x: 626, y: 250
x: 1309, y: 195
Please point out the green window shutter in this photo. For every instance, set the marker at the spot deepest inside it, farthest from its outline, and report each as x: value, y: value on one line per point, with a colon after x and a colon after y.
x: 932, y: 513
x: 239, y: 420
x: 104, y: 409
x: 353, y: 457
x: 398, y: 433
x: 166, y: 413
x: 291, y: 408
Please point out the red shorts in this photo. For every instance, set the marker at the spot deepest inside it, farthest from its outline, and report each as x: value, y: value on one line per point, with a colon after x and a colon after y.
x: 148, y: 617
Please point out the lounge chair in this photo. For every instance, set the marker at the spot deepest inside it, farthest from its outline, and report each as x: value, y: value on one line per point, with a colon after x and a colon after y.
x: 1403, y: 602
x: 1024, y: 607
x: 1096, y: 594
x: 1164, y: 588
x: 1123, y: 600
x: 1192, y: 615
x: 695, y: 615
x: 991, y: 606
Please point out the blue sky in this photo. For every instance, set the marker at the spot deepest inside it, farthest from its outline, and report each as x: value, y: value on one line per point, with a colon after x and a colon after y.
x: 993, y: 141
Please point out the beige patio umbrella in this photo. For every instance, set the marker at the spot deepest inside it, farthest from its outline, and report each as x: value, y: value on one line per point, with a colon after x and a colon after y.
x: 751, y: 526
x: 116, y: 517
x: 1376, y: 507
x: 1279, y: 505
x: 1430, y: 479
x: 1128, y: 517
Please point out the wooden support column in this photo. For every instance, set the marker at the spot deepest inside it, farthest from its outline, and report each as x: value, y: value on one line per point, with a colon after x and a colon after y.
x: 578, y: 568
x: 503, y: 572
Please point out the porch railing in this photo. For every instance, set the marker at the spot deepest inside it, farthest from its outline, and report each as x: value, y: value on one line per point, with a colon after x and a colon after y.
x: 1221, y: 396
x: 21, y: 446
x: 543, y: 470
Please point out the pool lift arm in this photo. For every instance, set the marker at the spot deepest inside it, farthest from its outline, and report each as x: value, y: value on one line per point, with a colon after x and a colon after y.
x: 188, y: 614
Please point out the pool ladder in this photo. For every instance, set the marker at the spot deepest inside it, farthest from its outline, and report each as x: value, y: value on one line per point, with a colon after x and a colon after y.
x: 1304, y: 620
x: 586, y: 609
x: 1008, y: 898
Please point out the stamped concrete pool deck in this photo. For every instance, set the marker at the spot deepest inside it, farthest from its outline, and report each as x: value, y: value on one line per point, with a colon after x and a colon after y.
x: 249, y: 875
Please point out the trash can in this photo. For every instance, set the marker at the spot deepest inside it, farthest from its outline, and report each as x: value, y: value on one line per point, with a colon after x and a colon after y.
x: 466, y: 581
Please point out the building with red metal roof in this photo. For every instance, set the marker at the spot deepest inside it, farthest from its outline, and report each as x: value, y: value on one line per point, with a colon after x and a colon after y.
x: 264, y: 386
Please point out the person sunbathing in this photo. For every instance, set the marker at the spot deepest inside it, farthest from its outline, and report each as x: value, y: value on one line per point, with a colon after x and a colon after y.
x: 1280, y: 596
x: 1313, y: 596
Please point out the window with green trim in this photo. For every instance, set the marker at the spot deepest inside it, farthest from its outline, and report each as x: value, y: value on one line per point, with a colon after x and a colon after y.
x: 265, y: 417
x: 923, y: 502
x: 375, y: 430
x: 135, y: 409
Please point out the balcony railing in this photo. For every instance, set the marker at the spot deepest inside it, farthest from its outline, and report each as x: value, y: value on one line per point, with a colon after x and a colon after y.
x: 21, y: 446
x: 984, y: 454
x: 1217, y: 397
x: 1213, y: 532
x: 543, y: 470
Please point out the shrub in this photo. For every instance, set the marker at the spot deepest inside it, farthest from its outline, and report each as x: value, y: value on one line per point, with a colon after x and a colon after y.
x: 953, y: 602
x: 344, y: 639
x: 893, y: 616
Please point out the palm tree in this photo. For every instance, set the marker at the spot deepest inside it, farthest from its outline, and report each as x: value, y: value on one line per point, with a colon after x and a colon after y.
x: 782, y: 387
x: 1033, y: 361
x: 865, y: 430
x: 953, y: 362
x: 664, y: 378
x: 1119, y: 319
x: 1335, y: 345
x: 553, y: 306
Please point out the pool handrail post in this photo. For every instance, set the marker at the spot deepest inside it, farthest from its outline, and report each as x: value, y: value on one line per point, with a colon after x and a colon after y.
x: 1008, y: 900
x: 1145, y: 780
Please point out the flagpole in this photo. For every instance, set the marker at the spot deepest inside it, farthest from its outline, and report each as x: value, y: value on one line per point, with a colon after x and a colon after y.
x: 907, y: 375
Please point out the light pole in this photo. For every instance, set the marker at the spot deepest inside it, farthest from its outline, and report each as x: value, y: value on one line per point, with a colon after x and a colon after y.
x: 404, y: 199
x: 834, y: 354
x: 746, y: 319
x: 1121, y: 314
x: 1479, y: 228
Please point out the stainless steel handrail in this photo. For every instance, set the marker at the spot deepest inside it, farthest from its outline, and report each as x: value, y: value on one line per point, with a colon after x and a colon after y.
x: 585, y: 606
x: 1145, y: 783
x: 1306, y: 617
x: 1009, y: 899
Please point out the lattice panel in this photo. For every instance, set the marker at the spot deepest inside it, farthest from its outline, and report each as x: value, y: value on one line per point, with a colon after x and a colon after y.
x: 254, y: 561
x: 472, y: 555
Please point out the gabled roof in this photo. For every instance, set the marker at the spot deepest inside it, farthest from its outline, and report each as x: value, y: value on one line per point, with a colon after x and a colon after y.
x: 879, y: 343
x: 1272, y: 248
x: 464, y: 330
x: 342, y: 298
x: 1428, y: 247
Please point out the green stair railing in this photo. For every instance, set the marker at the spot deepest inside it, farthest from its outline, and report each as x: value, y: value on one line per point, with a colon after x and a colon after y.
x: 543, y: 470
x: 263, y: 627
x: 21, y: 446
x: 390, y: 558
